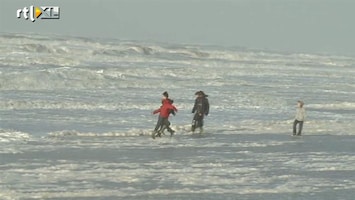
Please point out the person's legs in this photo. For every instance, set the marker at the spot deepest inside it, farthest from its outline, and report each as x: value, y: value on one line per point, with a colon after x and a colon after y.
x: 194, y: 122
x: 300, y: 128
x: 162, y: 126
x: 159, y: 124
x: 294, y: 127
x: 167, y: 125
x: 157, y: 127
x: 193, y: 125
x: 161, y: 130
x: 200, y: 122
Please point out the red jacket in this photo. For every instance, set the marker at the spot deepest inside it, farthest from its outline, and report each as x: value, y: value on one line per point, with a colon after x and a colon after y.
x: 165, y: 109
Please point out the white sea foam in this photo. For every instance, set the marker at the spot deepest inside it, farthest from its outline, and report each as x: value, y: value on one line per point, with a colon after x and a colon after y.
x: 333, y: 106
x: 223, y: 176
x: 73, y: 133
x: 7, y: 136
x: 84, y: 107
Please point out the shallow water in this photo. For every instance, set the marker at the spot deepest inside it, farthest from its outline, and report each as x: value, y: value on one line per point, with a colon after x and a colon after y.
x: 208, y: 166
x: 75, y: 122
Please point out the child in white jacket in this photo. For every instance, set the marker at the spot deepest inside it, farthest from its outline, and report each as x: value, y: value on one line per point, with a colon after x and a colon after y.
x: 299, y: 119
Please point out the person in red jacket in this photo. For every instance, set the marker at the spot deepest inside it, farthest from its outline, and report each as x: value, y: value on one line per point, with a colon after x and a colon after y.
x: 163, y: 121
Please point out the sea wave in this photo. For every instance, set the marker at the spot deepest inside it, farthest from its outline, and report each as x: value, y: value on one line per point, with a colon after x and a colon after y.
x: 54, y: 62
x: 10, y: 136
x: 334, y: 106
x: 73, y: 81
x: 73, y: 133
x: 23, y: 50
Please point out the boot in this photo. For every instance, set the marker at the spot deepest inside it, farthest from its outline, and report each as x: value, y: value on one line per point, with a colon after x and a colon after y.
x: 193, y: 128
x: 153, y: 134
x: 159, y: 133
x: 171, y: 131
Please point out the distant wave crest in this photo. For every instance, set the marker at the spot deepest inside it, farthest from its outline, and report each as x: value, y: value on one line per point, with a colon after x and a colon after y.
x: 22, y: 50
x: 7, y: 136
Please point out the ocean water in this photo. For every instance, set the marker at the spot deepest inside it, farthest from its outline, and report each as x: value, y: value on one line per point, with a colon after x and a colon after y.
x: 76, y: 117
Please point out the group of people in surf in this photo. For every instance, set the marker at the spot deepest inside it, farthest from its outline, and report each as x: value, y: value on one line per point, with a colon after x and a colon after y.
x: 200, y: 109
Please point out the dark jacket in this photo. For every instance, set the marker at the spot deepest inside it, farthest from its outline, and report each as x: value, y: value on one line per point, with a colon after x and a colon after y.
x: 201, y: 106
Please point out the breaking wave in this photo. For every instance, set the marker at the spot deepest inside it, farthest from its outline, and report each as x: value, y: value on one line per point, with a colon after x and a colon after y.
x: 108, y: 84
x: 35, y: 49
x: 56, y: 62
x: 7, y: 136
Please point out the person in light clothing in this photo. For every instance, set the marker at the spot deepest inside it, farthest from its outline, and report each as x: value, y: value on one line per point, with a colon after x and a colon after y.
x: 299, y: 119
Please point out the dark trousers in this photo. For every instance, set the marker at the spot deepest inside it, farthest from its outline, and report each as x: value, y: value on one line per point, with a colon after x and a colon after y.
x: 197, y: 122
x: 166, y: 125
x: 159, y: 123
x: 299, y: 128
x: 162, y: 124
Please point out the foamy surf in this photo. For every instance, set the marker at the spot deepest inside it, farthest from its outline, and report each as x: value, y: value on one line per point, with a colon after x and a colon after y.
x: 76, y: 121
x: 8, y: 136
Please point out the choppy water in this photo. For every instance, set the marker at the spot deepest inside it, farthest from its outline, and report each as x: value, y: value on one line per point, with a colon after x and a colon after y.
x: 76, y: 118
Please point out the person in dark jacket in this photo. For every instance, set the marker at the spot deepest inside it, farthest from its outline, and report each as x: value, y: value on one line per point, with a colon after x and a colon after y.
x: 163, y: 121
x: 201, y: 108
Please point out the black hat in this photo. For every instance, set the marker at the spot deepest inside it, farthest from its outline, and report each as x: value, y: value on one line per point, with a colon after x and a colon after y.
x: 165, y: 94
x: 201, y: 93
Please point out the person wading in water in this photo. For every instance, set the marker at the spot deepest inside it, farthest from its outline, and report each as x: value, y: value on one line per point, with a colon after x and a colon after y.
x: 201, y: 108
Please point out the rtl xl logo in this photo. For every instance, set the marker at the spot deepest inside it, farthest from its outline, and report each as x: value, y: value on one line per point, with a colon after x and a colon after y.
x: 38, y: 12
